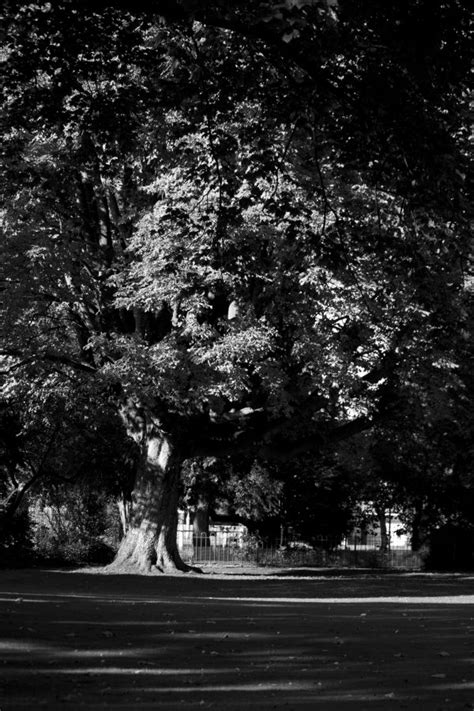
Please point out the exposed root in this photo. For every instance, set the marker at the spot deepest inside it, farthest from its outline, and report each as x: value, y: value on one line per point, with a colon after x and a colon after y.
x: 143, y: 552
x: 129, y: 567
x: 132, y: 561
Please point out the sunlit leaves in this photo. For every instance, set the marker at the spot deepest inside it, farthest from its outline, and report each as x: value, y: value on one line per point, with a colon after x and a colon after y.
x: 241, y: 217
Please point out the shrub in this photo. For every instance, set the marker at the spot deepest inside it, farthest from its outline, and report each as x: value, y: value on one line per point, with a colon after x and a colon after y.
x: 73, y: 527
x: 16, y: 542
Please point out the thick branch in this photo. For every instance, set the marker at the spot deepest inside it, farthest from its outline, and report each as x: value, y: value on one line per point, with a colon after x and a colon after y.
x: 12, y: 503
x: 267, y: 440
x: 48, y: 357
x: 323, y: 439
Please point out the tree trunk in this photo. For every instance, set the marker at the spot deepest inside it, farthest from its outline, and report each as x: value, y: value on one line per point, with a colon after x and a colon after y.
x: 124, y: 507
x: 201, y: 524
x: 418, y: 535
x: 384, y: 537
x: 15, y: 502
x: 150, y: 541
x: 10, y: 506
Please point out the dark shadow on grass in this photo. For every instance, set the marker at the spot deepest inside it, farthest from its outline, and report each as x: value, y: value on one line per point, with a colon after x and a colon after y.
x: 72, y: 640
x: 332, y: 572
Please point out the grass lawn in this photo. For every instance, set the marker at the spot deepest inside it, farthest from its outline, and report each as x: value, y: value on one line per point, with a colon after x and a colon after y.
x: 299, y: 640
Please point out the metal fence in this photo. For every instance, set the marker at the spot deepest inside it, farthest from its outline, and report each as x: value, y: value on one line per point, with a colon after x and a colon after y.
x: 325, y: 552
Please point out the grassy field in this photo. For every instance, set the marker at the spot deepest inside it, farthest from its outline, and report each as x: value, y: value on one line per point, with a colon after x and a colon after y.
x: 296, y: 640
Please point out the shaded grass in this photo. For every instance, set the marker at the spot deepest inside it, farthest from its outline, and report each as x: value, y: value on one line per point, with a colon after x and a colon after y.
x: 72, y: 640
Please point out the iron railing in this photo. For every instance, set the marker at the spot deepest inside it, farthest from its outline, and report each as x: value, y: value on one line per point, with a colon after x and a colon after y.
x: 325, y: 552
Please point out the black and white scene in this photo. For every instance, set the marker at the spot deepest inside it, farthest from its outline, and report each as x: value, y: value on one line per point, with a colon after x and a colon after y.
x: 236, y: 355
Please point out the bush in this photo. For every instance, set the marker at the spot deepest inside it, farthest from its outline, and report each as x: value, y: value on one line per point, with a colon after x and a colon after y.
x: 74, y: 527
x: 16, y: 542
x: 451, y: 548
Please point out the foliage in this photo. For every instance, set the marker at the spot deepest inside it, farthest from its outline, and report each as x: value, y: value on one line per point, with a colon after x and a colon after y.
x: 451, y: 548
x: 65, y: 450
x: 305, y: 500
x: 17, y: 544
x: 318, y: 501
x: 256, y: 496
x: 71, y: 526
x: 61, y: 433
x: 418, y: 463
x: 234, y: 490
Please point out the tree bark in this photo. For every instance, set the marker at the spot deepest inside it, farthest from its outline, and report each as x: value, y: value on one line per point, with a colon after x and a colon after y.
x: 10, y: 506
x: 384, y: 537
x: 15, y: 501
x: 201, y: 524
x: 123, y: 505
x: 418, y: 535
x: 149, y: 545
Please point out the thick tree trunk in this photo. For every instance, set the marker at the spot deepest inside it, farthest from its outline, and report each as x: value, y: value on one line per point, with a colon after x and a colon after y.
x: 149, y: 544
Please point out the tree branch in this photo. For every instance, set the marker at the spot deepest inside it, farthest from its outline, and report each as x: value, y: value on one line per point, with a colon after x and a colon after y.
x: 225, y: 16
x: 49, y: 357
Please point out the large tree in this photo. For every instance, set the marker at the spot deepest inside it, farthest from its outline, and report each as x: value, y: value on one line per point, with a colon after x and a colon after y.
x: 246, y: 223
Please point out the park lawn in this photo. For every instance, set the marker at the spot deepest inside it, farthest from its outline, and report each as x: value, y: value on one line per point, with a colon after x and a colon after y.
x: 297, y: 640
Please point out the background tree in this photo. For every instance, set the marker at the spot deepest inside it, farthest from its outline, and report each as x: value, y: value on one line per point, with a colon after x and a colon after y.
x: 232, y: 491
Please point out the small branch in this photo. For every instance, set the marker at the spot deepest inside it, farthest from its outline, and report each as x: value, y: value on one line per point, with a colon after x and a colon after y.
x: 16, y: 366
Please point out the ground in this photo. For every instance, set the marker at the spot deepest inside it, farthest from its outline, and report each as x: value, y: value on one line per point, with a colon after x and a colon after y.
x: 299, y: 640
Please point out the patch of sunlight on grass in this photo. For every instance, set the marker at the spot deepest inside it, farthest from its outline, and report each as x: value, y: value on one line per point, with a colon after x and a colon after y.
x: 17, y: 599
x: 244, y: 686
x: 134, y: 671
x: 116, y: 623
x: 86, y: 653
x: 437, y: 600
x: 13, y: 645
x: 196, y: 634
x: 73, y: 597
